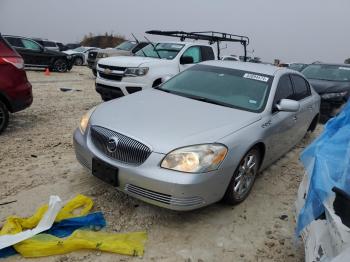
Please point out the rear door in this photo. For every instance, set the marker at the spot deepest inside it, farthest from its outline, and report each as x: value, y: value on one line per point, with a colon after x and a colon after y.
x: 302, y: 93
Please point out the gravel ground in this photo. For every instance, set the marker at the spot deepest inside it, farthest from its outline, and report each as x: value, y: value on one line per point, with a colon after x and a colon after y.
x: 37, y: 160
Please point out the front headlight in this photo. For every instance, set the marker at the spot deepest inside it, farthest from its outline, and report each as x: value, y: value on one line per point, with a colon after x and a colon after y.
x: 102, y: 55
x: 85, y: 120
x: 136, y: 71
x: 69, y: 57
x: 195, y: 159
x: 334, y: 95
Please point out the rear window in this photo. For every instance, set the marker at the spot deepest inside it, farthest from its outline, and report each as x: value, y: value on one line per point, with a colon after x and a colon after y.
x: 5, y: 49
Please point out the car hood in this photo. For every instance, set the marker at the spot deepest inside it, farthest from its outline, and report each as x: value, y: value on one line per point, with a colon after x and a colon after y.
x: 71, y: 52
x: 324, y: 86
x: 166, y: 121
x: 129, y: 61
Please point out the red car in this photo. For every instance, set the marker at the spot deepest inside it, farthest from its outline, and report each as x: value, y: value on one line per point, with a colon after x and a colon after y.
x: 15, y: 89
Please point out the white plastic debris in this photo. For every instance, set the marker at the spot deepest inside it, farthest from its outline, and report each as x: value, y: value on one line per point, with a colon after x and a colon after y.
x: 55, y: 205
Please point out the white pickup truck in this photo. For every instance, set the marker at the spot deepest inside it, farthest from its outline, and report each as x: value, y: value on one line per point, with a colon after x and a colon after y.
x: 123, y: 75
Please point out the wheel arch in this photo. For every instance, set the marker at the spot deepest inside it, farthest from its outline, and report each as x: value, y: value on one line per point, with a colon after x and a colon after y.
x: 6, y: 101
x: 314, y: 123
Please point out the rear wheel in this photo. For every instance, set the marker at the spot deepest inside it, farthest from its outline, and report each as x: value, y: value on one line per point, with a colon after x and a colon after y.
x: 4, y: 117
x: 78, y: 61
x: 60, y: 65
x: 244, y: 177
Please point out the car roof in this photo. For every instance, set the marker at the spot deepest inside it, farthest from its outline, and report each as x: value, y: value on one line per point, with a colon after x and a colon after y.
x: 247, y: 66
x: 331, y: 64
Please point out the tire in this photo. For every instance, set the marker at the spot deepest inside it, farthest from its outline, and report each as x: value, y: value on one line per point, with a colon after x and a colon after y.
x: 60, y: 65
x: 78, y: 61
x: 4, y: 117
x: 94, y: 71
x: 243, y: 178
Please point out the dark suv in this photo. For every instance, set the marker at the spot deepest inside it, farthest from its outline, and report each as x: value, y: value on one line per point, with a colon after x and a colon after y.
x: 15, y: 90
x: 35, y: 55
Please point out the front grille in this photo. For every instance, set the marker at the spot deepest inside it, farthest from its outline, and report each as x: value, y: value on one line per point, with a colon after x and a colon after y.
x: 127, y: 150
x: 92, y: 55
x: 110, y: 76
x: 163, y: 198
x: 116, y: 68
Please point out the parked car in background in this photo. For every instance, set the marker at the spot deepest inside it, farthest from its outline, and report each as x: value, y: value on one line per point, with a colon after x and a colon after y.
x: 126, y: 48
x: 151, y: 65
x: 15, y: 89
x: 294, y: 66
x: 61, y: 46
x: 332, y: 82
x: 72, y: 45
x: 80, y: 54
x: 51, y: 45
x: 35, y: 55
x: 199, y: 137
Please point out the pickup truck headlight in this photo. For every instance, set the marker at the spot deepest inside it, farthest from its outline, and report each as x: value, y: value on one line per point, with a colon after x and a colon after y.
x: 69, y: 57
x: 84, y: 121
x: 195, y: 159
x: 136, y: 71
x: 334, y: 95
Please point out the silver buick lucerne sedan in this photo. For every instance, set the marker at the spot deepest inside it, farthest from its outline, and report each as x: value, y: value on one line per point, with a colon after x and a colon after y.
x: 200, y: 137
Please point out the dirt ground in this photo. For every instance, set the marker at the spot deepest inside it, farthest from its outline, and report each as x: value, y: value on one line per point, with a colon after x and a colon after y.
x: 37, y: 160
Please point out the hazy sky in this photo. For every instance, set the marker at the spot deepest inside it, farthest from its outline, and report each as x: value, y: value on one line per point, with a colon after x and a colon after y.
x: 294, y: 30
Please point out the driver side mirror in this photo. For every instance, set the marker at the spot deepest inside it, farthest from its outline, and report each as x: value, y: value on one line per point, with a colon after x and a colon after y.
x: 184, y: 60
x: 288, y: 105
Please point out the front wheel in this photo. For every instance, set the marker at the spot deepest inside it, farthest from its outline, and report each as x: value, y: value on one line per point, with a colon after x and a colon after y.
x: 4, y: 117
x: 78, y: 61
x: 60, y: 65
x: 243, y: 178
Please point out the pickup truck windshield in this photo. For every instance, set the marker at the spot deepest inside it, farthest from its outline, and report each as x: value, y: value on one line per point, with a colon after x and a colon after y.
x: 126, y: 46
x: 328, y: 72
x: 165, y: 50
x: 222, y: 86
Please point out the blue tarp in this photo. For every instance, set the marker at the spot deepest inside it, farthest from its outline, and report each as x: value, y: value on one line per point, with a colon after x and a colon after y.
x: 93, y: 221
x: 327, y: 162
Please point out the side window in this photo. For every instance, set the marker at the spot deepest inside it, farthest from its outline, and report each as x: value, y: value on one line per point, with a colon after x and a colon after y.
x: 284, y: 90
x: 301, y: 87
x: 15, y: 42
x: 207, y: 53
x: 28, y: 44
x: 195, y: 53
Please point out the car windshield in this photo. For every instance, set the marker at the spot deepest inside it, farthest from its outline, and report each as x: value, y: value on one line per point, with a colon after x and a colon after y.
x: 328, y: 72
x: 79, y: 49
x: 222, y: 86
x: 161, y: 50
x: 126, y: 46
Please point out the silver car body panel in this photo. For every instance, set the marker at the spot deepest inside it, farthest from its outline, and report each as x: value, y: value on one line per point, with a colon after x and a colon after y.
x: 165, y: 122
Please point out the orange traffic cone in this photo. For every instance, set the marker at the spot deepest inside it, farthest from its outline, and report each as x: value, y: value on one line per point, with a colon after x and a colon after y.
x: 47, y: 72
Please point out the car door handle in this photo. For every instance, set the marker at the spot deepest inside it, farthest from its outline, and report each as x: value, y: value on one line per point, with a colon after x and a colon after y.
x: 295, y: 118
x: 310, y: 107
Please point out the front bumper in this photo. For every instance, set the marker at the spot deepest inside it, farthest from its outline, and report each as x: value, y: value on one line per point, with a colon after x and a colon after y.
x: 110, y: 89
x: 155, y: 185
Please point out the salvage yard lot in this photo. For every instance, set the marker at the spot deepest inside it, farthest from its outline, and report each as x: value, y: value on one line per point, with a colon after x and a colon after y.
x: 37, y: 160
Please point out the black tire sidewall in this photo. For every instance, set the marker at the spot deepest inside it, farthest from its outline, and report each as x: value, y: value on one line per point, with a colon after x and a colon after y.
x: 229, y: 195
x: 55, y: 66
x: 5, y: 121
x: 78, y: 59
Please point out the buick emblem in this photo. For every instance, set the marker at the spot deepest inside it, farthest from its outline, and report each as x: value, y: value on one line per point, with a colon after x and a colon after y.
x: 112, y: 145
x: 107, y: 71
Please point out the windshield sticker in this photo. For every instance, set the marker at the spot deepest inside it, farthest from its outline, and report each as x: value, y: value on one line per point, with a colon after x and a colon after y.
x: 344, y: 68
x: 256, y: 77
x: 252, y: 101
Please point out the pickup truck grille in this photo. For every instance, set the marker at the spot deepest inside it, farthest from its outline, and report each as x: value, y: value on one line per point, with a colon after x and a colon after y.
x: 110, y: 76
x: 116, y: 68
x: 126, y: 149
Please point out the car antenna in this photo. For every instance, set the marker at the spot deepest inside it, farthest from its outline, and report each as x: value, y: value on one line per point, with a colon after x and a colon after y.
x: 137, y: 41
x: 154, y: 47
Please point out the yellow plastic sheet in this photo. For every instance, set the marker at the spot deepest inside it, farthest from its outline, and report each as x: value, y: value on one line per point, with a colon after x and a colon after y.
x: 78, y: 206
x: 46, y: 245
